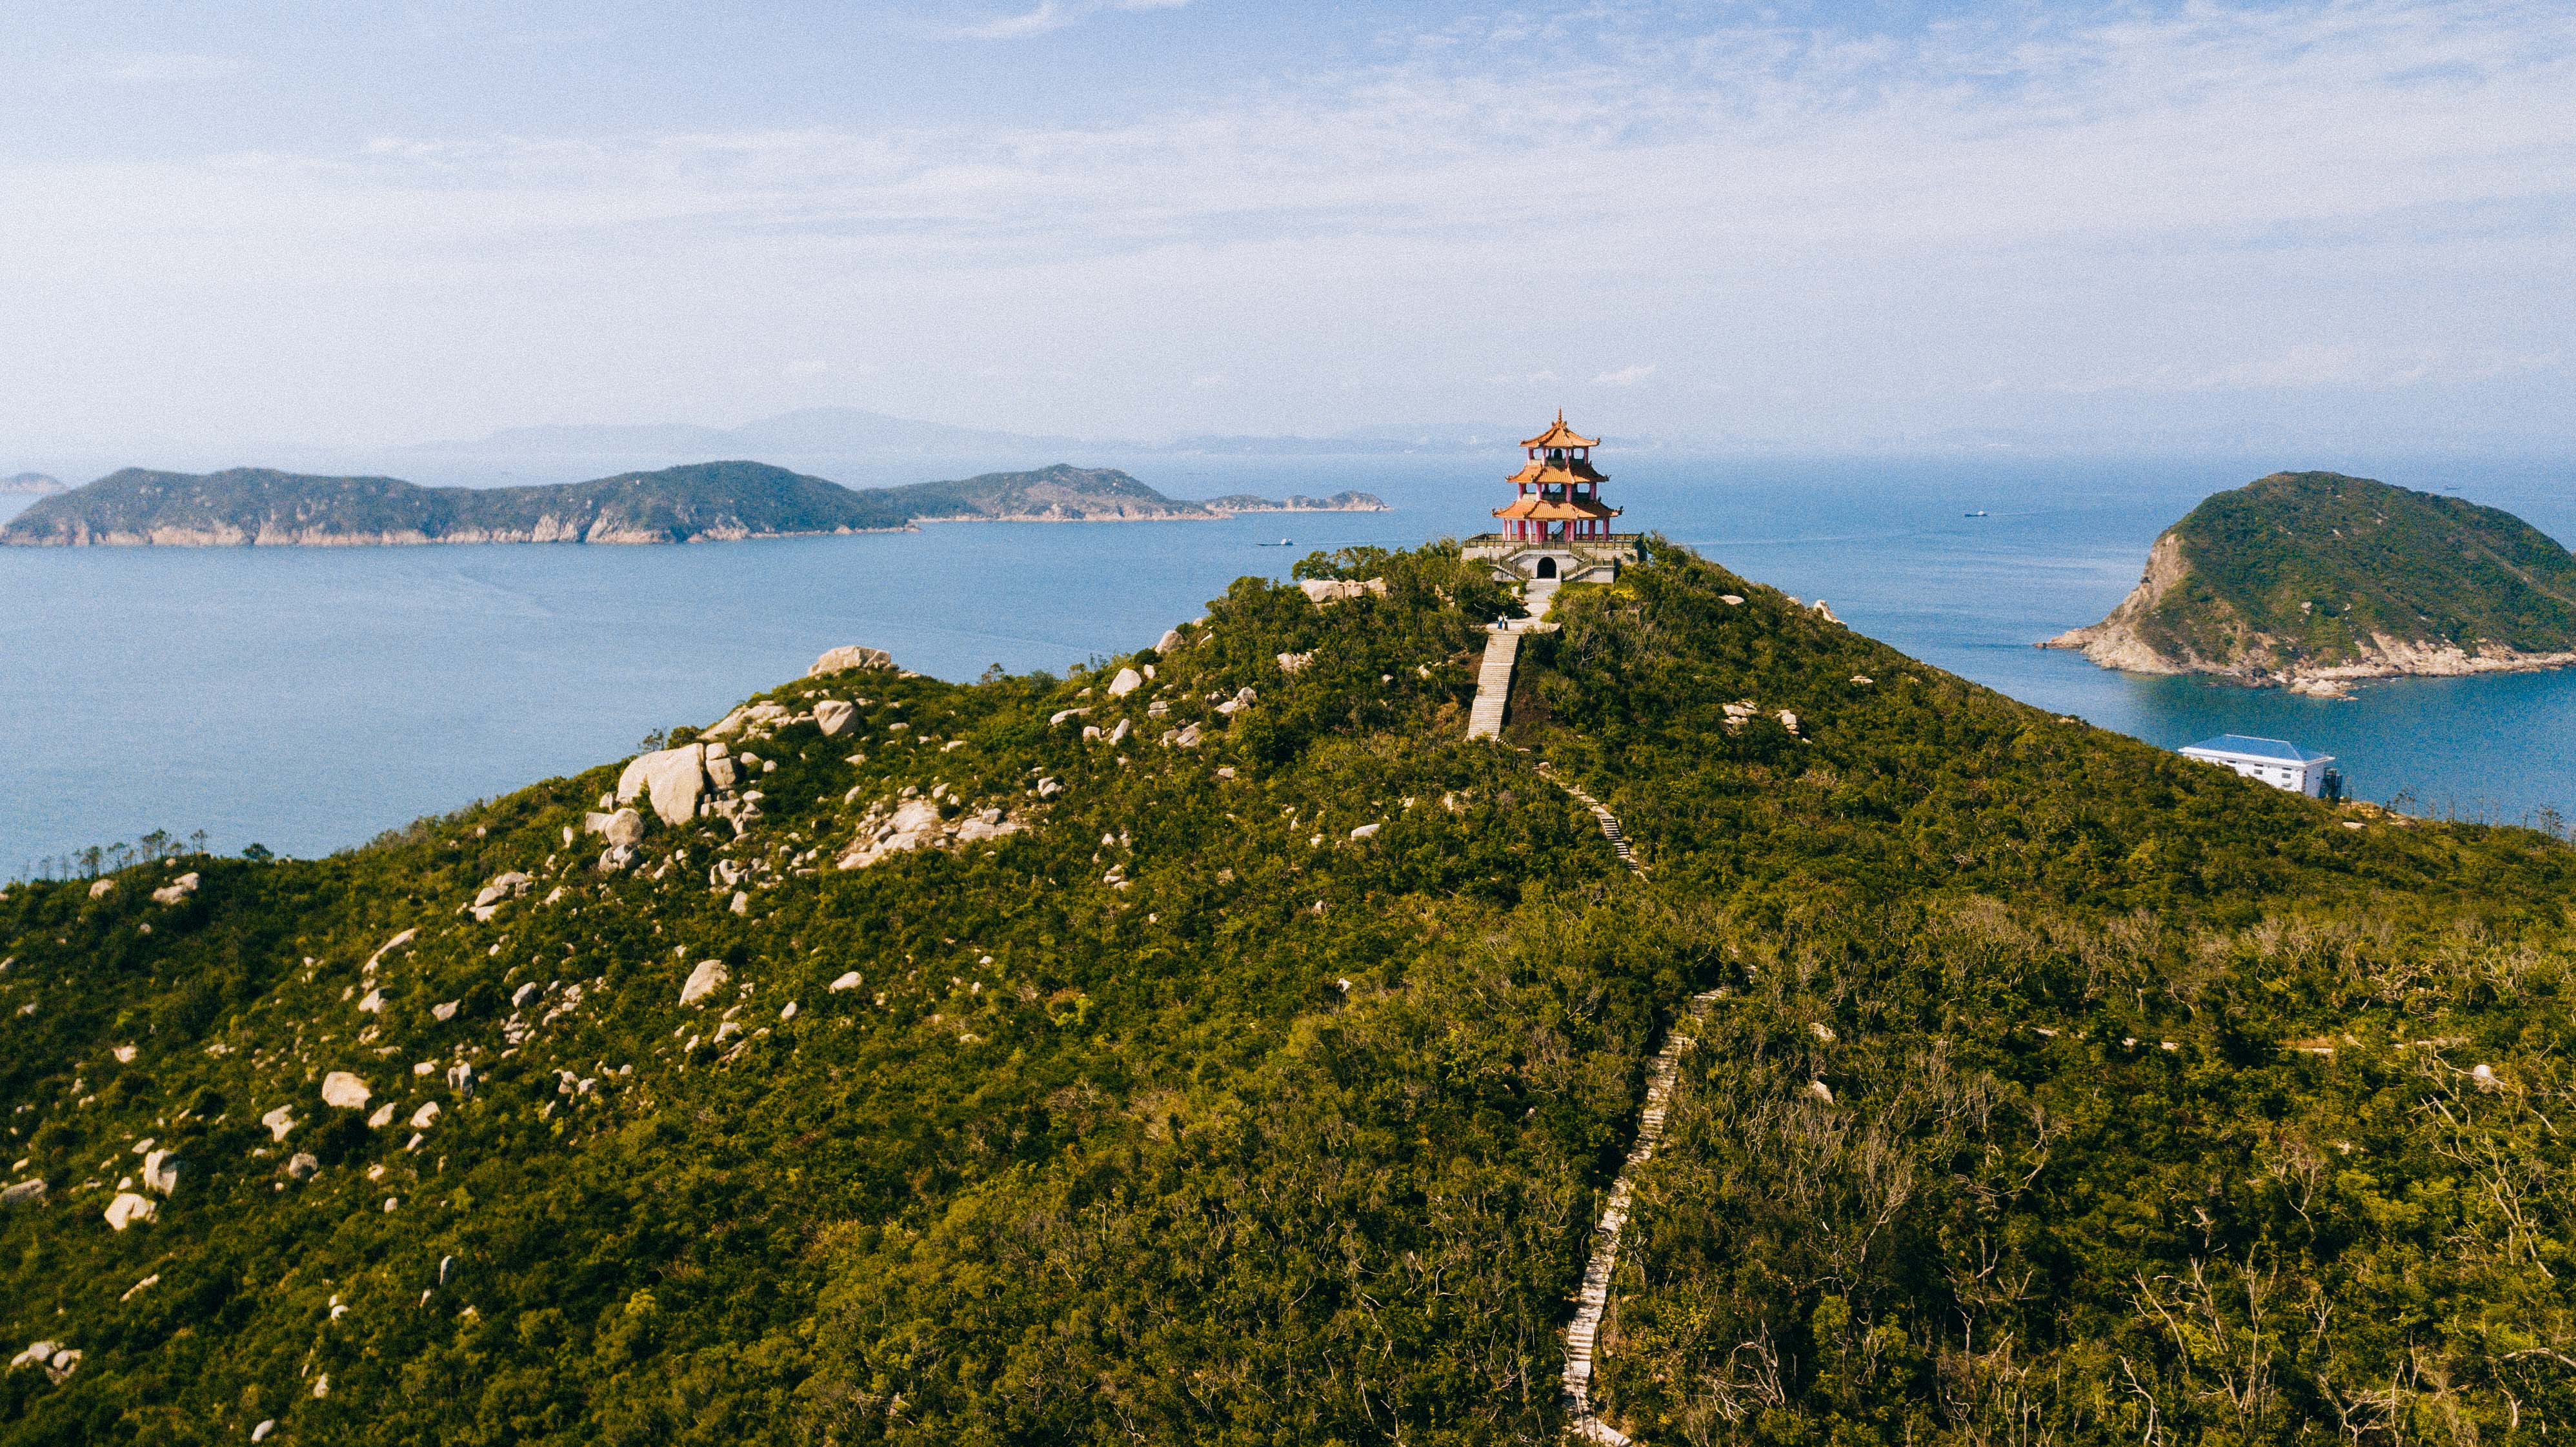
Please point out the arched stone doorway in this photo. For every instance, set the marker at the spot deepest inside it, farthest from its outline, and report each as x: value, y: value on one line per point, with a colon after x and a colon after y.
x: 1547, y: 567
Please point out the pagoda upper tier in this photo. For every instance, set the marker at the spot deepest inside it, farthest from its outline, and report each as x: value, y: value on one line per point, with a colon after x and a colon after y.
x: 1560, y: 436
x: 1557, y: 494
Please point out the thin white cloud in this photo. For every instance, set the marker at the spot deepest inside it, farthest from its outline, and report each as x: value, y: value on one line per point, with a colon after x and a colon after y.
x: 2322, y: 196
x: 161, y: 67
x: 1052, y: 15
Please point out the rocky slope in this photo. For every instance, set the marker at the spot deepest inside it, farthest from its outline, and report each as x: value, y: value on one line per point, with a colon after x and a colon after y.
x: 2310, y: 580
x: 1211, y: 1045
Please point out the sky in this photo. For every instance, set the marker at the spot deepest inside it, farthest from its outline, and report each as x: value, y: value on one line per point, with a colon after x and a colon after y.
x: 1809, y: 227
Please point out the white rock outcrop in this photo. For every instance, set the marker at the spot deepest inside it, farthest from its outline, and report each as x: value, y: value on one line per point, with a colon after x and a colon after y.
x: 346, y: 1091
x: 1127, y: 682
x: 161, y: 1172
x: 833, y: 717
x: 57, y: 1360
x: 128, y: 1209
x: 101, y: 888
x: 847, y: 657
x: 623, y: 827
x: 460, y: 1078
x: 888, y: 829
x: 24, y: 1193
x: 674, y: 779
x: 848, y: 981
x: 303, y: 1165
x: 751, y: 718
x: 705, y: 980
x: 176, y: 890
x: 1336, y: 590
x: 1170, y: 640
x: 425, y: 1117
x: 507, y: 885
x: 388, y: 947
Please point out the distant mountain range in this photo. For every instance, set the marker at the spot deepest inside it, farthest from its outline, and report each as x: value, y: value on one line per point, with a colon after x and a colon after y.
x: 26, y: 482
x: 700, y: 502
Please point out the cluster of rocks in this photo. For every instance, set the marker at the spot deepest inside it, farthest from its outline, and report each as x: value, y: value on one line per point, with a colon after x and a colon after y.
x: 695, y: 781
x: 913, y: 820
x: 177, y: 889
x: 1128, y: 680
x: 57, y: 1360
x: 850, y: 656
x: 493, y: 897
x: 1743, y: 711
x: 1322, y: 591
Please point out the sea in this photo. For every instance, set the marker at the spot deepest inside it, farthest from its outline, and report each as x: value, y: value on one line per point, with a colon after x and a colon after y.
x: 307, y: 699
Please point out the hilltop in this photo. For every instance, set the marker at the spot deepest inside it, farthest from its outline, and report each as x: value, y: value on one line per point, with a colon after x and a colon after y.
x: 1211, y: 1045
x: 1062, y: 493
x: 2311, y: 579
x: 702, y: 502
x: 26, y: 482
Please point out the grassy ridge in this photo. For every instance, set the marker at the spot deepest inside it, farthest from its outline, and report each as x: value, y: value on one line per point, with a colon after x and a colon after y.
x: 2067, y: 1090
x: 1187, y: 1115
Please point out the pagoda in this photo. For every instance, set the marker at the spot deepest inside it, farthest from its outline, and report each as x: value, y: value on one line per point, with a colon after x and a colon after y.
x: 1556, y: 528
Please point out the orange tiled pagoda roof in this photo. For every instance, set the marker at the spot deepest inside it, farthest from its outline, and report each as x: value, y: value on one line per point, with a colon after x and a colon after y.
x: 1535, y: 508
x: 1555, y: 474
x: 1560, y: 435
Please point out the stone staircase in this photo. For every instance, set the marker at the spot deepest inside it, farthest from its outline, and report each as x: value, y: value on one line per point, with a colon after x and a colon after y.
x: 1610, y: 829
x: 1493, y: 685
x: 1592, y: 1299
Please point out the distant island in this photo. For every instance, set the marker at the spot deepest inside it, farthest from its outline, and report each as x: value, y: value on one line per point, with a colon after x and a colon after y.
x: 2309, y: 580
x: 26, y: 482
x: 701, y: 502
x: 1345, y: 501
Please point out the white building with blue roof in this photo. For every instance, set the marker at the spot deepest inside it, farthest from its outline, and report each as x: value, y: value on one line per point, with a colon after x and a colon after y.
x: 2277, y: 762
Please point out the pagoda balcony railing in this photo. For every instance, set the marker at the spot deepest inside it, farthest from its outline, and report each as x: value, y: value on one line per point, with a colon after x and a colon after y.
x: 1605, y: 543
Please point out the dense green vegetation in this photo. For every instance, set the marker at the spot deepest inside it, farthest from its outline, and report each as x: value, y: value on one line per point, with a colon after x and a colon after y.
x: 2304, y: 570
x: 1185, y: 1114
x: 701, y: 501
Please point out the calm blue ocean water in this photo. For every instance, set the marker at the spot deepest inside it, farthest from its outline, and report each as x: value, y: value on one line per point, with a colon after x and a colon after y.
x: 308, y: 698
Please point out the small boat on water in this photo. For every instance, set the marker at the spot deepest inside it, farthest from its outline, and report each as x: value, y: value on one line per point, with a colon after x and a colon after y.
x: 1978, y: 513
x: 1282, y: 543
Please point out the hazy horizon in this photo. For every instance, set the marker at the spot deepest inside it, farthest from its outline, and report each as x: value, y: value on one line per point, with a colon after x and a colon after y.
x: 2186, y: 226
